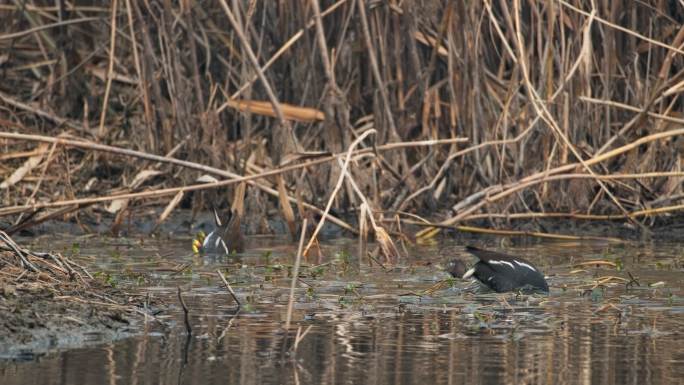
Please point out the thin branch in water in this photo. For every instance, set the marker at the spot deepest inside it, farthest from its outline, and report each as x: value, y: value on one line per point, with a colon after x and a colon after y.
x: 186, y: 318
x: 230, y: 289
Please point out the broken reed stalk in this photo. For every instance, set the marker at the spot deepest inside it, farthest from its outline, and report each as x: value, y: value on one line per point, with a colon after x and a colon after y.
x: 233, y: 178
x: 543, y: 111
x: 300, y: 336
x: 255, y: 62
x: 504, y: 232
x: 389, y: 250
x: 230, y: 289
x: 284, y: 48
x: 110, y: 70
x: 338, y: 185
x: 494, y: 193
x: 597, y: 217
x: 18, y: 252
x: 560, y: 62
x: 295, y: 276
x: 186, y: 319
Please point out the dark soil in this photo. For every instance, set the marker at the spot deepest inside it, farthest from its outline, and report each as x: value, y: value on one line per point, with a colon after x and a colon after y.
x: 47, y: 309
x: 34, y: 320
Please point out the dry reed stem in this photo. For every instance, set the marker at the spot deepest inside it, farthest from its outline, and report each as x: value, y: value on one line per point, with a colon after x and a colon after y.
x: 597, y: 217
x: 442, y: 71
x: 541, y: 177
x: 230, y: 289
x: 338, y: 185
x: 284, y: 48
x: 540, y: 107
x: 171, y: 191
x: 254, y: 61
x: 622, y: 29
x: 374, y: 66
x: 295, y: 276
x: 168, y: 209
x: 9, y: 36
x: 389, y: 250
x: 627, y: 107
x: 110, y: 72
x: 322, y: 46
x: 40, y: 112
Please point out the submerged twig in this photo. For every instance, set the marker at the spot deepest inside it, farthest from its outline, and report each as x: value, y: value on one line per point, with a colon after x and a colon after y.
x: 300, y: 336
x: 186, y: 319
x: 230, y: 289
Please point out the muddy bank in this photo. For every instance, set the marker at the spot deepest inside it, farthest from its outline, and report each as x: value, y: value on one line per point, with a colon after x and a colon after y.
x: 49, y: 302
x: 32, y: 323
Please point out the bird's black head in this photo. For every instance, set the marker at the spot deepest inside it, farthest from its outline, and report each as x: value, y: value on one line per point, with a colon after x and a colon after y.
x: 456, y: 268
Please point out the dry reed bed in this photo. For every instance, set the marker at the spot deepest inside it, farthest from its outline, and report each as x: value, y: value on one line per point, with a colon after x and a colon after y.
x: 50, y: 276
x: 492, y: 112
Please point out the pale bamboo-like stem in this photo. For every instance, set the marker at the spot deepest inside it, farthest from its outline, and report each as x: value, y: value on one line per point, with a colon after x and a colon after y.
x: 255, y: 62
x: 541, y: 109
x: 505, y: 190
x: 295, y: 276
x: 110, y: 70
x: 374, y: 65
x: 338, y: 185
x: 289, y: 43
x: 622, y: 29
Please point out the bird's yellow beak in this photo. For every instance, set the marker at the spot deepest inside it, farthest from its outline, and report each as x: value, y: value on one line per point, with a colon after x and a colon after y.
x: 197, y: 242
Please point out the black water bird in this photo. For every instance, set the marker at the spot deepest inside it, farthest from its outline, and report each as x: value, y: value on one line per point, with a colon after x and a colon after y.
x: 224, y: 239
x: 500, y: 272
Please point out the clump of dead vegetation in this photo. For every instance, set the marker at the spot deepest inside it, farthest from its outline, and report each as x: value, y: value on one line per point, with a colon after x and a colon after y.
x: 51, y: 274
x: 46, y: 293
x: 395, y: 111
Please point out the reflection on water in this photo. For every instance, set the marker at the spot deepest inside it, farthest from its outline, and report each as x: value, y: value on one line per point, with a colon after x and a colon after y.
x: 365, y: 329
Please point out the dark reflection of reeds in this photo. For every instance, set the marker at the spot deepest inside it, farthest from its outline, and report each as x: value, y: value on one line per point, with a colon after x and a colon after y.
x: 565, y: 338
x: 439, y: 347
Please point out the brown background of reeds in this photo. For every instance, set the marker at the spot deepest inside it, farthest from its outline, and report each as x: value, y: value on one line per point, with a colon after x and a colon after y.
x: 533, y: 85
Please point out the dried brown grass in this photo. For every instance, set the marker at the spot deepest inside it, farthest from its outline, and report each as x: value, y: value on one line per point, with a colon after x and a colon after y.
x: 555, y: 98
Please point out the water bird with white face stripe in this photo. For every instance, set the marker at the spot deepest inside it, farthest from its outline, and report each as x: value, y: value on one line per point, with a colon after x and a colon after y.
x: 225, y: 239
x: 500, y: 272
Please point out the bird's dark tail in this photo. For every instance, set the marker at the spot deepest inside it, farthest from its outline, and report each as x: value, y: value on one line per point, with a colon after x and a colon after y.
x: 482, y: 254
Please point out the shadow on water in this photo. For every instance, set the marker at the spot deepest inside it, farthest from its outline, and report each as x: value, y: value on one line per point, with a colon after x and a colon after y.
x: 370, y: 325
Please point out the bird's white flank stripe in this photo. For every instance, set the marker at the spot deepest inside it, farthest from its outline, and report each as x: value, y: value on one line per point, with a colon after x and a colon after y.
x: 493, y: 262
x: 526, y: 265
x: 225, y: 248
x: 469, y: 273
x: 207, y: 239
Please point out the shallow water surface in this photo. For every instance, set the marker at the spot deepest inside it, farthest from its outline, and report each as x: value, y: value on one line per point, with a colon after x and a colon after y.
x: 382, y: 325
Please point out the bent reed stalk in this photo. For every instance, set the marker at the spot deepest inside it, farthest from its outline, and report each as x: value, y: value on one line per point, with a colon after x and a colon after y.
x: 567, y: 108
